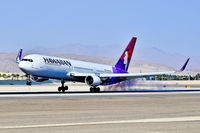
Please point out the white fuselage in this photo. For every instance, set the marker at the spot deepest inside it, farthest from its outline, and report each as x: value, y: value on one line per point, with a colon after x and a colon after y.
x: 59, y: 68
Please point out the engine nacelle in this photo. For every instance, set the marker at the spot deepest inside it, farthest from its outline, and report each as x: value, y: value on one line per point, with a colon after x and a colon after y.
x: 38, y: 79
x: 93, y: 80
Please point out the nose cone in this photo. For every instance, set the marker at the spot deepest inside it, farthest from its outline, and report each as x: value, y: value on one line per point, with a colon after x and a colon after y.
x: 22, y: 66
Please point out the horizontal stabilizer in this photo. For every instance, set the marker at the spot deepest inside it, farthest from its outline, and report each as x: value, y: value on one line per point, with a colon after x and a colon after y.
x: 184, y: 66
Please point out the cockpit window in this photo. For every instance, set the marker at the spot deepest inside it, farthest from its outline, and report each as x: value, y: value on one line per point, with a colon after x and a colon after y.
x: 29, y: 60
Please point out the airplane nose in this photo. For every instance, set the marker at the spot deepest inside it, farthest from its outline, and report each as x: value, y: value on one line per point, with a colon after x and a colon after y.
x: 20, y: 65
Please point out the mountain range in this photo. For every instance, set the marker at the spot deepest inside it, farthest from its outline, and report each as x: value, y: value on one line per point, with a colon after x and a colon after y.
x: 150, y: 55
x: 143, y: 60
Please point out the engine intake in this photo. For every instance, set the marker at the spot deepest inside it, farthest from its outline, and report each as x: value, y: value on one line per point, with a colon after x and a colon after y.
x: 93, y: 80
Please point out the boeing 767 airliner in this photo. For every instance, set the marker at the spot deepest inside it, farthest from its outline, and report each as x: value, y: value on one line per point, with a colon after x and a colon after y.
x: 40, y: 68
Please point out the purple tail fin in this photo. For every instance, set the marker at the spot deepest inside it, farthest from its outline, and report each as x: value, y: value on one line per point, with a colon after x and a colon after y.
x: 125, y: 59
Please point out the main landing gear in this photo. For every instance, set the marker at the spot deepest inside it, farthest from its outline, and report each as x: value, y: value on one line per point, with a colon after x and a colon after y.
x: 94, y: 89
x: 28, y: 81
x: 63, y: 88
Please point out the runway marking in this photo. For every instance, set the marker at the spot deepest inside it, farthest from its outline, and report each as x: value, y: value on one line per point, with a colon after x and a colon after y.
x: 154, y: 120
x: 98, y: 94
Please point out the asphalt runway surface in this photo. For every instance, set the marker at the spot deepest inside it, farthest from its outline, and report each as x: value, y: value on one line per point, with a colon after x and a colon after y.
x: 141, y: 112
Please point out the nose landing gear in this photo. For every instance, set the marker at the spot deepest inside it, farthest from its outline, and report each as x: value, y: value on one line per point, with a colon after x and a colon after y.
x: 28, y: 80
x: 63, y: 88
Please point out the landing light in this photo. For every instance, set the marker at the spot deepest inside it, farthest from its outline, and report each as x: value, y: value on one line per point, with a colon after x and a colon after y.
x: 72, y: 74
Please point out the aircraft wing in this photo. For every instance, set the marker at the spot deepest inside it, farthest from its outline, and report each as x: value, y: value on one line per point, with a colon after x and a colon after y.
x: 129, y: 75
x: 141, y: 75
x: 122, y: 76
x: 134, y: 75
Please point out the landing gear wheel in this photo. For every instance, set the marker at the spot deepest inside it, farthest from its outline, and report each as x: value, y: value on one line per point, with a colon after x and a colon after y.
x: 94, y: 89
x: 66, y: 87
x: 62, y: 88
x: 97, y: 89
x: 28, y: 83
x: 59, y: 89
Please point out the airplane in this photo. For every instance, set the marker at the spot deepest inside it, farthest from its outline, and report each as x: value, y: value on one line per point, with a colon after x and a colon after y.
x: 40, y: 68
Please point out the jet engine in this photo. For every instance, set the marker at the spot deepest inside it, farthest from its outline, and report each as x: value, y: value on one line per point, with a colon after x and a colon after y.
x: 38, y: 79
x: 93, y: 80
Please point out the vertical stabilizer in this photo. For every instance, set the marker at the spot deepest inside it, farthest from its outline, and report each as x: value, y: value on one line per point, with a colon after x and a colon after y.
x: 124, y: 61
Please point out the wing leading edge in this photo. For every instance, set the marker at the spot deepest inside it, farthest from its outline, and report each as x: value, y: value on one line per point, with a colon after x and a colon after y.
x: 141, y: 75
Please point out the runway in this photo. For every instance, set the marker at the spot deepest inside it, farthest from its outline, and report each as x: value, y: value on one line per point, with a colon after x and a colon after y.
x: 158, y: 120
x: 83, y: 94
x: 112, y: 112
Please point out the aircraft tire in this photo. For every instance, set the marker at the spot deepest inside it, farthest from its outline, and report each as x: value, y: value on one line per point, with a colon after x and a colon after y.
x: 97, y: 89
x: 66, y: 88
x: 94, y: 89
x: 28, y: 83
x: 59, y: 89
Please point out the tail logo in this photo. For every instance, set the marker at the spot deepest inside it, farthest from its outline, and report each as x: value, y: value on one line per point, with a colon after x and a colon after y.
x: 126, y: 58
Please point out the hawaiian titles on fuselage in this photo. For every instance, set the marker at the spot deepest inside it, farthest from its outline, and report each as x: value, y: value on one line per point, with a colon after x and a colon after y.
x: 56, y: 61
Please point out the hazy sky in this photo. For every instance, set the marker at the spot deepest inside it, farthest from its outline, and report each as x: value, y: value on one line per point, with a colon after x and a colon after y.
x: 170, y: 25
